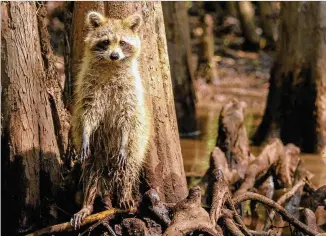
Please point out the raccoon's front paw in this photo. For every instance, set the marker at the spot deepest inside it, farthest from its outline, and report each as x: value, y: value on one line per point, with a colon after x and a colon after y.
x: 78, y: 218
x: 85, y: 151
x: 122, y: 157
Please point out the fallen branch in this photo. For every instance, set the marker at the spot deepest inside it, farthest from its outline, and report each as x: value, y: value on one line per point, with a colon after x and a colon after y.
x: 278, y: 208
x: 66, y: 227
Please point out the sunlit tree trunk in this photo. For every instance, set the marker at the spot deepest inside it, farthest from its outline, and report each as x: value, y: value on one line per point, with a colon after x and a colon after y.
x: 164, y: 166
x: 231, y: 7
x: 178, y: 40
x: 34, y: 121
x: 267, y: 12
x: 248, y: 26
x: 296, y: 104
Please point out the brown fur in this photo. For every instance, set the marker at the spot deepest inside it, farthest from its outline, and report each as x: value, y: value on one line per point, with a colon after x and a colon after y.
x: 109, y: 103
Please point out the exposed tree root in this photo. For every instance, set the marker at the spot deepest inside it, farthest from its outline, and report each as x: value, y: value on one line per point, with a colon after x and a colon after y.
x: 315, y: 198
x: 220, y: 195
x: 309, y: 218
x: 283, y: 199
x: 278, y: 208
x: 155, y: 207
x: 232, y: 169
x: 234, y: 230
x: 274, y: 154
x: 232, y: 137
x: 189, y: 216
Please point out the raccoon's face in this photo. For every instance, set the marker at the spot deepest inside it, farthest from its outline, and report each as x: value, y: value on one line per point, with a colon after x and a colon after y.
x: 111, y: 39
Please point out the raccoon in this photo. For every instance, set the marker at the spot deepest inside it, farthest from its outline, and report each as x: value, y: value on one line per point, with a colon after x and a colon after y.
x: 110, y: 123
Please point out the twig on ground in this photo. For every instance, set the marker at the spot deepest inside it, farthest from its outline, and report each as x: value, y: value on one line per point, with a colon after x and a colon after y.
x: 66, y: 227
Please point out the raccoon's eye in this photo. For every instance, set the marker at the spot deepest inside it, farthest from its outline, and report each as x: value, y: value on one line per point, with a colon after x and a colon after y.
x: 106, y: 42
x: 122, y: 43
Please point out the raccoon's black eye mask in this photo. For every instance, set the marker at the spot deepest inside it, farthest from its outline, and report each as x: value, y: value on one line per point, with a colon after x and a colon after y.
x: 103, y: 45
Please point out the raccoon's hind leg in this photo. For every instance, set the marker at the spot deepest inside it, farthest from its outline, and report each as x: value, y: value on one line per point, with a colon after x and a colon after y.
x: 105, y: 191
x: 125, y: 196
x: 89, y: 197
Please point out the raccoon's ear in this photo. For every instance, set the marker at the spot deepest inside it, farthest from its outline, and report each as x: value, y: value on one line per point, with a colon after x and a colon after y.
x: 133, y: 22
x: 94, y: 19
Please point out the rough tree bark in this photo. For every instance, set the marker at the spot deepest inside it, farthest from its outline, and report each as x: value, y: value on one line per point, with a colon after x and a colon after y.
x: 296, y: 104
x: 34, y: 132
x: 164, y: 166
x: 78, y: 31
x: 178, y: 39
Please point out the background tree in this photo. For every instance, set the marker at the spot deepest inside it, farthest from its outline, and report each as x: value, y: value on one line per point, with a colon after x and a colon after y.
x: 296, y: 104
x: 35, y: 122
x: 164, y: 168
x: 248, y: 26
x: 206, y: 64
x: 267, y: 11
x: 178, y: 40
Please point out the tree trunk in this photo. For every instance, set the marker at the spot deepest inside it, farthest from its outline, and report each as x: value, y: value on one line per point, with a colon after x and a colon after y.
x: 296, y: 104
x: 164, y: 166
x: 178, y: 38
x: 231, y: 8
x: 206, y: 64
x: 34, y: 134
x: 266, y: 11
x: 78, y: 31
x: 248, y: 26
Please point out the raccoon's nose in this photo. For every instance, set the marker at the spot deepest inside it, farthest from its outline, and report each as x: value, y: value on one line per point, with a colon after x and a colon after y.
x: 114, y: 56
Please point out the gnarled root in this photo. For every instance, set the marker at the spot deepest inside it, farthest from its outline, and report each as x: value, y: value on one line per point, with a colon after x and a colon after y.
x: 134, y: 226
x: 315, y: 198
x: 283, y: 199
x: 220, y: 194
x: 153, y: 205
x: 279, y: 209
x: 232, y: 137
x: 269, y: 156
x: 189, y: 216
